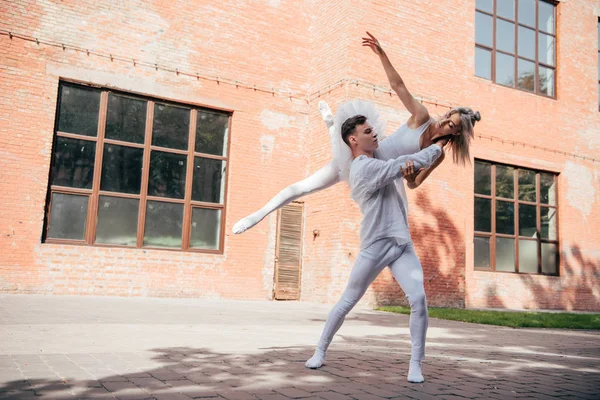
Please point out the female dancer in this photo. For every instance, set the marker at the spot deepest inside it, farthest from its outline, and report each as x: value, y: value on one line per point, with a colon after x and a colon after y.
x: 419, y: 132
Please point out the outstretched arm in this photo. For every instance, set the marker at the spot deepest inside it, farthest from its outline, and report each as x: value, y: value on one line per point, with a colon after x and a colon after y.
x: 414, y: 180
x: 322, y: 179
x: 377, y: 173
x: 419, y: 114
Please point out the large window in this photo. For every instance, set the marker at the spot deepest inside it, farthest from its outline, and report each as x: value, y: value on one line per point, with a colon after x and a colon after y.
x: 515, y: 44
x: 516, y: 224
x: 136, y: 172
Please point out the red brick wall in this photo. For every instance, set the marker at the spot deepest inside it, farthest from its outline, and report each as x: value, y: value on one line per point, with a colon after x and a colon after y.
x: 307, y: 47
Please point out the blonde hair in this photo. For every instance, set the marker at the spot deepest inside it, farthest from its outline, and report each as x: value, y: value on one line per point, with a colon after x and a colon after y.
x: 460, y: 144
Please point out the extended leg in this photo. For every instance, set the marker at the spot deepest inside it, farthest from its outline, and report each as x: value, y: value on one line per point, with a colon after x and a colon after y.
x: 322, y: 179
x: 408, y: 272
x: 369, y: 263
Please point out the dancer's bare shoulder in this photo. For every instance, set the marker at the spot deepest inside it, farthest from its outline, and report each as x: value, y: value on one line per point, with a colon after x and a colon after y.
x: 418, y: 119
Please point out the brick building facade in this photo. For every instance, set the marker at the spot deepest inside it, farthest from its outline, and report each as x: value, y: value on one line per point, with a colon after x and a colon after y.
x: 262, y: 67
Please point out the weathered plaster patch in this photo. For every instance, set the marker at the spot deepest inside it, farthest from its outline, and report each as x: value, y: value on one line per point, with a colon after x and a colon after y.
x: 579, y: 187
x: 275, y: 121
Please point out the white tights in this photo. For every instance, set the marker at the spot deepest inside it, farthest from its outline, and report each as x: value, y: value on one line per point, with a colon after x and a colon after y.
x: 327, y: 176
x: 406, y: 268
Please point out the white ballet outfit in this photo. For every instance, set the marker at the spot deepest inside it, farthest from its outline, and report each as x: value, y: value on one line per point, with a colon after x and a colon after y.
x: 378, y: 188
x: 382, y: 244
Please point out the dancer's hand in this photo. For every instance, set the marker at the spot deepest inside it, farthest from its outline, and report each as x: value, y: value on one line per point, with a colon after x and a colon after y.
x: 408, y: 172
x: 373, y: 44
x: 443, y: 142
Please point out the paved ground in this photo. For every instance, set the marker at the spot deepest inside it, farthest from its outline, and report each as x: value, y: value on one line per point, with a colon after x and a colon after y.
x: 98, y: 348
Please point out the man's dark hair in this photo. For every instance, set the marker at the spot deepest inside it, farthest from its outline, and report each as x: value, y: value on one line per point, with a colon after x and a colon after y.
x: 349, y: 126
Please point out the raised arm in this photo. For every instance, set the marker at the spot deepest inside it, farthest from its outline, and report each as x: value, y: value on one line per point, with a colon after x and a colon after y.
x: 418, y: 112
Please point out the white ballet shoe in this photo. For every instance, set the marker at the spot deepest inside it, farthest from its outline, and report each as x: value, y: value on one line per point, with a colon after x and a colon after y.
x: 326, y: 113
x: 317, y: 360
x: 243, y: 225
x: 414, y: 372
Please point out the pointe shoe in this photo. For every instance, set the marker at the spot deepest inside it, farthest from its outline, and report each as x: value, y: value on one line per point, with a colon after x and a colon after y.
x: 242, y: 226
x: 326, y: 113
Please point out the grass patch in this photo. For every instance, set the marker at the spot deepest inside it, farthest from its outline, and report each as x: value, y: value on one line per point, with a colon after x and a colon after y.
x: 509, y: 318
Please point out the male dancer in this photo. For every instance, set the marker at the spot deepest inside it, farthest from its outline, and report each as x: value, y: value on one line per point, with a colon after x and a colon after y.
x: 384, y: 237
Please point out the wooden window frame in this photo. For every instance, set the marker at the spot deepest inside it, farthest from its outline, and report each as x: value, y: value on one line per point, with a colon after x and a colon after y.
x: 95, y: 193
x: 493, y: 50
x: 516, y: 202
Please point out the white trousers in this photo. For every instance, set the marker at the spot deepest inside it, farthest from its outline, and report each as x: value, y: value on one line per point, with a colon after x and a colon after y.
x: 407, y: 270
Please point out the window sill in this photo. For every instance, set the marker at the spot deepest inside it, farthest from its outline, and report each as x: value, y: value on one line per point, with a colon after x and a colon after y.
x: 537, y: 95
x: 113, y: 246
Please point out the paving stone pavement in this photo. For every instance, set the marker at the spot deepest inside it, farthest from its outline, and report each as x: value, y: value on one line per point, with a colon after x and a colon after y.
x: 63, y: 347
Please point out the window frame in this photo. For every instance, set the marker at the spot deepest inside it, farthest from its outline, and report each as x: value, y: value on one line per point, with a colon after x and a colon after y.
x: 94, y: 193
x: 493, y: 50
x: 492, y: 235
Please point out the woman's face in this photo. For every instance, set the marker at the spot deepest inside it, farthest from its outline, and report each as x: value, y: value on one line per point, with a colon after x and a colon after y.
x: 449, y: 125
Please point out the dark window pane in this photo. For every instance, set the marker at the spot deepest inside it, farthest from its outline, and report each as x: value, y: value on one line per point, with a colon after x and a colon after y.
x: 164, y: 223
x: 527, y: 185
x: 505, y: 217
x: 546, y: 48
x: 117, y: 221
x: 211, y: 132
x: 483, y: 178
x: 167, y: 175
x: 78, y: 110
x: 171, y: 126
x: 73, y: 164
x: 527, y: 42
x: 547, y: 81
x: 483, y: 215
x: 548, y: 223
x: 484, y: 29
x: 206, y: 228
x: 547, y: 189
x: 527, y: 12
x: 546, y: 15
x: 483, y: 63
x: 209, y: 179
x: 528, y: 256
x: 68, y: 215
x: 121, y: 169
x: 526, y: 75
x: 126, y: 119
x: 505, y: 181
x: 505, y: 8
x: 505, y: 69
x: 505, y: 36
x: 485, y: 5
x: 527, y: 220
x: 505, y: 254
x: 482, y: 252
x: 549, y: 258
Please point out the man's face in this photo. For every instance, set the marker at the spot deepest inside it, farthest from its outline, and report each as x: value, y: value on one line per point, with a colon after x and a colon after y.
x: 364, y: 137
